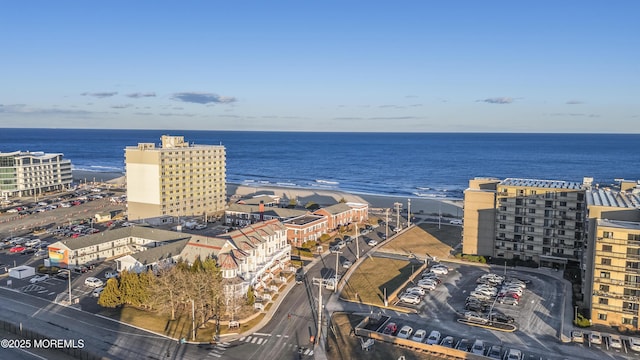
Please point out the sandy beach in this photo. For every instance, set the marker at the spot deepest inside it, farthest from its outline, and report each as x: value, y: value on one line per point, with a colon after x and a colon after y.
x: 448, y: 208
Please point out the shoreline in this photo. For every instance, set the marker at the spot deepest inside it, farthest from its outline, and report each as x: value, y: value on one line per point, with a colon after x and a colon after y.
x: 444, y: 206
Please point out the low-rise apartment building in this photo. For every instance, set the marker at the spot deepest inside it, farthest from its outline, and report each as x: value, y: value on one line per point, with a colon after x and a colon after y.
x: 306, y: 228
x: 344, y: 213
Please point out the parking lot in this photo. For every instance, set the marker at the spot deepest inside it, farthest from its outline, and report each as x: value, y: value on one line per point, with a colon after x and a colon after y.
x: 538, y: 317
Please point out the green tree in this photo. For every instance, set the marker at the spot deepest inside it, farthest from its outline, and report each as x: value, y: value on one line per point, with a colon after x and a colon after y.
x: 146, y: 280
x: 197, y: 265
x: 130, y: 288
x: 111, y: 296
x: 251, y: 296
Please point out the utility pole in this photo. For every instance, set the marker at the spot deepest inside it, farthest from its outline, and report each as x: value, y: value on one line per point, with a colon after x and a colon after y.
x: 319, y: 330
x: 398, y: 206
x: 357, y: 244
x: 386, y: 225
x: 335, y: 288
x: 408, y: 212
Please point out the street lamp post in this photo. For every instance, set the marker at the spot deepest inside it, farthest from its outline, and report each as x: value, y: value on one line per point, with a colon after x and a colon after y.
x: 335, y: 288
x: 69, y: 279
x: 357, y: 244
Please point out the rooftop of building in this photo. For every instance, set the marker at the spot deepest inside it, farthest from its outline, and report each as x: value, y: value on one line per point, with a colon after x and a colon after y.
x: 547, y: 184
x: 630, y: 225
x: 283, y: 213
x: 116, y: 234
x: 155, y: 254
x: 304, y: 219
x: 36, y: 154
x: 612, y: 198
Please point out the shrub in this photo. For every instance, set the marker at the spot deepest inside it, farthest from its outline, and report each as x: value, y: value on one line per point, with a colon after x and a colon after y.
x: 582, y: 321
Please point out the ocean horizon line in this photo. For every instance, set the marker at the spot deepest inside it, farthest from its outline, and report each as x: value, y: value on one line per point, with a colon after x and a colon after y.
x: 333, y: 132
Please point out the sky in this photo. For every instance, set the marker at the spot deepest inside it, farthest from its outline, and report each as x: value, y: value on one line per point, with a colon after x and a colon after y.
x: 383, y: 66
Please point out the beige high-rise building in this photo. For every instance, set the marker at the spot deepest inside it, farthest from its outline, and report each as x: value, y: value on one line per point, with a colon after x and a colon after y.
x: 611, y: 270
x: 532, y: 220
x: 479, y: 231
x: 176, y: 179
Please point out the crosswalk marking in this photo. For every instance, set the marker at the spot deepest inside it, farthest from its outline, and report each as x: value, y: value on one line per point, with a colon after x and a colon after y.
x: 253, y: 341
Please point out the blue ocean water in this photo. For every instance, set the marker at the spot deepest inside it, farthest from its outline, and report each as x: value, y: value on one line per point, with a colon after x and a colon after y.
x: 404, y: 164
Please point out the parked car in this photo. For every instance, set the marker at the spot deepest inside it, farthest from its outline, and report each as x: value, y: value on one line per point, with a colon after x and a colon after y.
x: 475, y: 306
x: 32, y: 242
x: 390, y: 329
x: 434, y: 337
x: 577, y: 336
x: 439, y: 271
x: 410, y: 298
x: 347, y: 264
x: 416, y: 290
x: 28, y: 251
x: 494, y: 352
x: 62, y: 274
x: 341, y: 244
x: 17, y: 249
x: 464, y: 345
x: 475, y: 317
x: 634, y: 343
x: 419, y: 335
x: 455, y: 222
x: 93, y: 282
x: 478, y: 347
x: 110, y: 274
x: 427, y: 285
x: 405, y: 332
x: 447, y: 342
x: 372, y: 242
x: 38, y: 278
x: 508, y: 301
x: 595, y: 338
x: 615, y: 342
x: 334, y: 249
x: 502, y: 318
x: 513, y: 354
x: 97, y: 292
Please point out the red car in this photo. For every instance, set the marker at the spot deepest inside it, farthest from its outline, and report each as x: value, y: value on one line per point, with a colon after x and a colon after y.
x: 17, y: 249
x: 390, y: 329
x: 511, y: 295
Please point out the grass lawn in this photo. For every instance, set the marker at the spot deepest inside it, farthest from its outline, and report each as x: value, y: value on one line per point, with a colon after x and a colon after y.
x: 426, y: 239
x: 374, y: 275
x: 179, y: 328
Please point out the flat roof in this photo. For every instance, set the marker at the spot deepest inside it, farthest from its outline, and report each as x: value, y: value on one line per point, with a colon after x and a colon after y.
x: 549, y: 184
x: 612, y: 198
x: 305, y: 219
x: 631, y: 225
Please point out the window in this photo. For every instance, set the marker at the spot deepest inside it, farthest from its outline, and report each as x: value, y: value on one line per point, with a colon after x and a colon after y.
x: 607, y: 234
x: 604, y: 288
x: 605, y: 261
x: 502, y: 226
x: 607, y: 248
x: 532, y: 201
x: 605, y: 274
x: 602, y: 316
x: 532, y: 211
x: 633, y: 237
x: 603, y: 301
